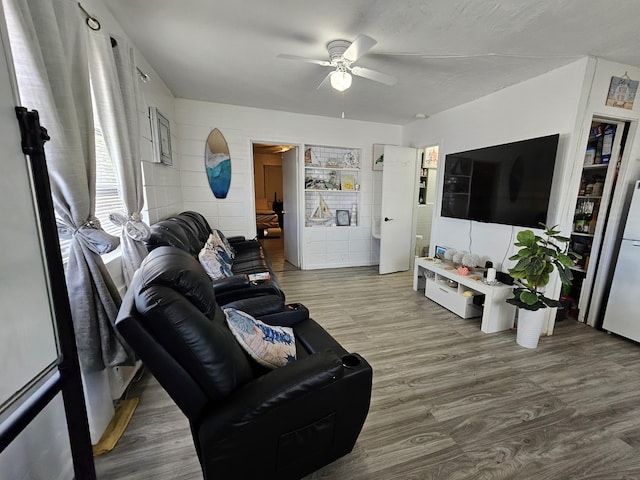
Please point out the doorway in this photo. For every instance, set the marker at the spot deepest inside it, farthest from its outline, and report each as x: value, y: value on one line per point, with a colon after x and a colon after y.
x: 426, y: 199
x: 275, y: 187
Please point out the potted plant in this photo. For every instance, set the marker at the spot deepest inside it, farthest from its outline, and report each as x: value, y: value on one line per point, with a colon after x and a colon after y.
x: 536, y: 260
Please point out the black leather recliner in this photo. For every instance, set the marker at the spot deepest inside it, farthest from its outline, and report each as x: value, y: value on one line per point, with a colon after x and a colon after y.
x: 190, y: 230
x: 247, y: 422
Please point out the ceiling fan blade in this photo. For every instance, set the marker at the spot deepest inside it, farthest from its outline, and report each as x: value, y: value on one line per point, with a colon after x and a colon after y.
x: 325, y: 81
x: 324, y: 63
x: 359, y: 47
x: 374, y: 75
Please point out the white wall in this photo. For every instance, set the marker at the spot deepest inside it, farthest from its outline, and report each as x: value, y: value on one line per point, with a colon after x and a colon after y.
x: 241, y: 126
x: 561, y: 101
x: 544, y: 105
x: 548, y: 104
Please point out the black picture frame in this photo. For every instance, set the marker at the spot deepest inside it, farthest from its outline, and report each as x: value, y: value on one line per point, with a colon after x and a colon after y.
x: 343, y: 218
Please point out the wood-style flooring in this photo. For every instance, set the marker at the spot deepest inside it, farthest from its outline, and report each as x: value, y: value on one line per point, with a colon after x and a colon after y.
x: 448, y: 402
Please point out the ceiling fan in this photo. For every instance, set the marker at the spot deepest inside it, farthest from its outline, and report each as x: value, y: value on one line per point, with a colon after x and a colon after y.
x: 342, y: 55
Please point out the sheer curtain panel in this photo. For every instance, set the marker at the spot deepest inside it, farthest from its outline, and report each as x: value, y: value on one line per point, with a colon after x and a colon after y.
x: 114, y: 82
x: 49, y: 43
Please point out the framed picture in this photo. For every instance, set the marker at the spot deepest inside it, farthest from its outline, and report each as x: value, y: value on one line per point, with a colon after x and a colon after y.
x: 161, y: 135
x: 622, y: 92
x: 378, y: 156
x: 347, y: 182
x: 343, y: 218
x: 430, y: 158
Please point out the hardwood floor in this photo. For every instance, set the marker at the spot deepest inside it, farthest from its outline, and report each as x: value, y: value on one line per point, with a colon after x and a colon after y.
x: 448, y: 402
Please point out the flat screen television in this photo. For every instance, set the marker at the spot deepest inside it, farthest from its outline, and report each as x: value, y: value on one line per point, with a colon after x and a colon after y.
x: 508, y: 184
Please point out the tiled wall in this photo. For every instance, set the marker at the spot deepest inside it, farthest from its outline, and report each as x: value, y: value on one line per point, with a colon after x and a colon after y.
x: 233, y: 213
x: 321, y: 247
x: 162, y: 185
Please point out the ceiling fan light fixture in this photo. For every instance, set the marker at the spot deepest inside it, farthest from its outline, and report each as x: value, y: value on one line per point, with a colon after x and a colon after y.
x: 340, y: 80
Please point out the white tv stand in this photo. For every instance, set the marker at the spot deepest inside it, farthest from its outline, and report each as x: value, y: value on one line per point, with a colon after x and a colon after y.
x: 497, y: 314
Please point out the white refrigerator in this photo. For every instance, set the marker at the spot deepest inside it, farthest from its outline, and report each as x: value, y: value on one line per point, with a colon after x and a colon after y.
x: 622, y: 315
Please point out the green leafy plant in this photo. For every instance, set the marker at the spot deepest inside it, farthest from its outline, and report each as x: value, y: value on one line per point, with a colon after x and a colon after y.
x: 536, y: 259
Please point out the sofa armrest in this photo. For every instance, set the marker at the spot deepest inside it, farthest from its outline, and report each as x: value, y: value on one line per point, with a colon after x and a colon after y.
x: 290, y: 315
x: 275, y: 389
x: 236, y: 238
x: 233, y: 282
x: 259, y: 306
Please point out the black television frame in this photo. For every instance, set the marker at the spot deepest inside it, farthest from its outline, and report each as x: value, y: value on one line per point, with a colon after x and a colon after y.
x: 507, y: 184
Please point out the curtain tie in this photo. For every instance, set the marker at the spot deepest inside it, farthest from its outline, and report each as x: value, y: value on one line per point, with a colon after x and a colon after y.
x: 132, y: 225
x: 96, y: 239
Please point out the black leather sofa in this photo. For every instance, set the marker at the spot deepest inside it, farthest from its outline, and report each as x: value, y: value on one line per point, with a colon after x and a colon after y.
x: 189, y: 231
x: 247, y: 422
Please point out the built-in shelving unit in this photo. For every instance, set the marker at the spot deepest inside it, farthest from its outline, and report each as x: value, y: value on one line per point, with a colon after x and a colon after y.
x: 597, y: 182
x: 331, y: 186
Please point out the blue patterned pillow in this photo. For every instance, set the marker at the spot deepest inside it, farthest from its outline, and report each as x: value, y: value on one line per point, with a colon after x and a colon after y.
x: 217, y: 239
x: 270, y: 346
x: 213, y: 263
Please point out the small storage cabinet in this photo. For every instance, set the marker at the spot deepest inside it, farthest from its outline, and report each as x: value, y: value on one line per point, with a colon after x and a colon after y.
x: 331, y: 186
x: 451, y: 295
x: 445, y: 286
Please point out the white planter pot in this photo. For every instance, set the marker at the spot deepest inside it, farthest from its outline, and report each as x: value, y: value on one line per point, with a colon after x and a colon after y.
x: 529, y: 327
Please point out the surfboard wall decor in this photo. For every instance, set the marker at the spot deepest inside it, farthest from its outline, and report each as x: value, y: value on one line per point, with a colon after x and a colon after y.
x: 218, y: 163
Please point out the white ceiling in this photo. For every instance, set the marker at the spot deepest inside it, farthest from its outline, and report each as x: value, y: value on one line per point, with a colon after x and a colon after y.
x: 226, y: 51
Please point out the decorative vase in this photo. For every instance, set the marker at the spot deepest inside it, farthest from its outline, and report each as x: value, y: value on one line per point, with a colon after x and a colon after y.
x: 529, y: 327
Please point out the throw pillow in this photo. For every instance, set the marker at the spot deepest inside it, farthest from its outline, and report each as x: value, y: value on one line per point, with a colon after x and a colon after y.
x: 217, y: 238
x: 214, y: 264
x: 270, y: 346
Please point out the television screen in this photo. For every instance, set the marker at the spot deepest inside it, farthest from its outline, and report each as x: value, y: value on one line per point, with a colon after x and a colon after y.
x: 508, y: 184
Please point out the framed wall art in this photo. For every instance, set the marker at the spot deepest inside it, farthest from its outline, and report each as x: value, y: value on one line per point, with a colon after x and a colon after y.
x: 378, y: 156
x: 161, y: 136
x: 622, y: 92
x: 343, y: 218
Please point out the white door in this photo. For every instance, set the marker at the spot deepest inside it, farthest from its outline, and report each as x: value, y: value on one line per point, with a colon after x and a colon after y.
x: 398, y: 201
x: 290, y: 206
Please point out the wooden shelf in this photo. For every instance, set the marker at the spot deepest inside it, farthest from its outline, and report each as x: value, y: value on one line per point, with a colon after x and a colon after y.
x: 313, y: 167
x: 326, y: 190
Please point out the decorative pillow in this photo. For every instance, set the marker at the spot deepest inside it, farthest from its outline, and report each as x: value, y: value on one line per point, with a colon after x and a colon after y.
x: 270, y: 346
x: 212, y: 244
x: 214, y: 264
x: 218, y: 239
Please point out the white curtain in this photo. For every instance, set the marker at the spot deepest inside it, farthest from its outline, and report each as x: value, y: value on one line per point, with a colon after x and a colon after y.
x: 48, y: 40
x: 114, y: 83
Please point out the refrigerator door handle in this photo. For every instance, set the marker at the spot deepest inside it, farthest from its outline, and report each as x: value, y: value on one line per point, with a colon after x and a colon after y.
x: 636, y: 243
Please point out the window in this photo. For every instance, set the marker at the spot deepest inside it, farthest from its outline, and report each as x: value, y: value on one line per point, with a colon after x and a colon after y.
x: 108, y: 198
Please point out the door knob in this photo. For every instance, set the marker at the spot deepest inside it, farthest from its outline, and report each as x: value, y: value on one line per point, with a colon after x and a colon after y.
x: 387, y: 219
